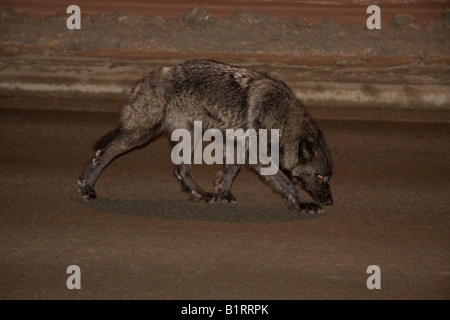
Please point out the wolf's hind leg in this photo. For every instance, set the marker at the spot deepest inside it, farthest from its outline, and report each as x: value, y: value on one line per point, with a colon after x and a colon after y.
x: 224, y: 180
x: 141, y: 120
x: 120, y: 142
x: 183, y: 172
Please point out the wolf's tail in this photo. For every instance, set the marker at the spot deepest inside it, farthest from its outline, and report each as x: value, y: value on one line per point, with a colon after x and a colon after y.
x: 107, y: 138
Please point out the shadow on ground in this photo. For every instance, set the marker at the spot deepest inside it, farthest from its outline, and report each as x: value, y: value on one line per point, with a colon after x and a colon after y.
x: 189, y: 211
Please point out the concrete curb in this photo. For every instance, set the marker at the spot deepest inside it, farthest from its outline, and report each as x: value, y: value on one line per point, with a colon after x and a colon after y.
x: 412, y: 87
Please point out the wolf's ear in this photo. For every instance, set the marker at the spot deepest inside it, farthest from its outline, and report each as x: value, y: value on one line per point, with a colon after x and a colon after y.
x: 305, y: 150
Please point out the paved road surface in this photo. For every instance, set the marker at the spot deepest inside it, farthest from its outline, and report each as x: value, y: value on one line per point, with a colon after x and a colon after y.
x: 144, y: 239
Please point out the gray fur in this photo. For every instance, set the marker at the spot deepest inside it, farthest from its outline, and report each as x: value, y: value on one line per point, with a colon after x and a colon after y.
x: 222, y: 97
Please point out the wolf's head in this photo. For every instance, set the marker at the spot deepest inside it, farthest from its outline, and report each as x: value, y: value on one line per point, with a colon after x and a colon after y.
x: 313, y: 169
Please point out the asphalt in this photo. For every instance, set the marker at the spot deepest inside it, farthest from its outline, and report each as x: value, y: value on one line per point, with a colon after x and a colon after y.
x: 143, y: 239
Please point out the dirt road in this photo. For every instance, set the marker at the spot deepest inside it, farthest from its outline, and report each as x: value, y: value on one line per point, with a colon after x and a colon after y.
x: 306, y: 32
x: 143, y: 239
x: 314, y: 11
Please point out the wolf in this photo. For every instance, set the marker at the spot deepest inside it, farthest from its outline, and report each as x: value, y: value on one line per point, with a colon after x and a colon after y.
x: 223, y: 97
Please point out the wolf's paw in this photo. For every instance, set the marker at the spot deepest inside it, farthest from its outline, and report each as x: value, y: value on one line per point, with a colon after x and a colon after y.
x: 87, y: 191
x: 226, y: 197
x: 203, y: 196
x: 310, y: 208
x: 305, y: 207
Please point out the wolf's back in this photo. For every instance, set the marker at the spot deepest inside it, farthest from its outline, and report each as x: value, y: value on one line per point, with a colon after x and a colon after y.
x: 226, y: 96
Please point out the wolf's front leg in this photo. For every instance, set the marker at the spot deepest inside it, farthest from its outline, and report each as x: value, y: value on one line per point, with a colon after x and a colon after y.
x: 183, y: 172
x: 224, y: 180
x: 281, y: 184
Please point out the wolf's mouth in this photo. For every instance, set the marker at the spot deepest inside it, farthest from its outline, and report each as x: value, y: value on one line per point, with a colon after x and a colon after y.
x: 325, y: 199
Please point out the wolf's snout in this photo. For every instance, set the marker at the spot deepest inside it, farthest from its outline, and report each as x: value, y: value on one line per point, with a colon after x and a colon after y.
x: 326, y: 200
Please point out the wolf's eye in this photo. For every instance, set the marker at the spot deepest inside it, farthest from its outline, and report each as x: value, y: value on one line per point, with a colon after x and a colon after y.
x: 320, y: 177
